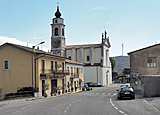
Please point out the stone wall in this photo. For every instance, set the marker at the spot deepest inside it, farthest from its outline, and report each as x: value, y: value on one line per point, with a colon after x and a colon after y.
x: 150, y: 85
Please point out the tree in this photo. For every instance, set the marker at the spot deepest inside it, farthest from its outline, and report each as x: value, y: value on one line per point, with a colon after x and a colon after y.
x: 113, y: 62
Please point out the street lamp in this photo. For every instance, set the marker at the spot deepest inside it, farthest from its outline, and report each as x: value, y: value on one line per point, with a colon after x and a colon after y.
x: 35, y: 63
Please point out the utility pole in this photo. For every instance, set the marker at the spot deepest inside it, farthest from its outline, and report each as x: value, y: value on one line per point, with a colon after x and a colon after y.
x: 122, y: 49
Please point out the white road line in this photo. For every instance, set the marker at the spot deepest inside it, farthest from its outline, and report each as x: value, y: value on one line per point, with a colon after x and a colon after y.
x: 109, y: 94
x: 29, y: 105
x: 15, y: 112
x: 103, y: 93
x: 67, y: 107
x: 23, y: 108
x: 91, y: 93
x: 65, y: 111
x: 121, y: 111
x: 70, y: 104
x: 115, y: 107
x: 113, y: 94
x: 97, y: 93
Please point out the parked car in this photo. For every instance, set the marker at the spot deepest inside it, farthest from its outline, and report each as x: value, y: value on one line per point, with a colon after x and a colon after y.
x: 90, y: 84
x: 86, y: 88
x: 98, y: 85
x: 125, y: 92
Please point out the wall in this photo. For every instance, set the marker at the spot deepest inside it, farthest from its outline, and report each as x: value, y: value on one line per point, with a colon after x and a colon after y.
x: 138, y: 64
x: 20, y: 69
x: 150, y: 85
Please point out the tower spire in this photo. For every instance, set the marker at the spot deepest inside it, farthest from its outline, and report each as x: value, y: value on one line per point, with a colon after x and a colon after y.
x: 58, y: 14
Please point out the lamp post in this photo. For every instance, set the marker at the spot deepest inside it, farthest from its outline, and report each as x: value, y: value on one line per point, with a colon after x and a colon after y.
x: 35, y: 63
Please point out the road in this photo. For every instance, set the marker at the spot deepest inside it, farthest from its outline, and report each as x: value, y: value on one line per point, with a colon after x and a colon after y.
x: 99, y: 101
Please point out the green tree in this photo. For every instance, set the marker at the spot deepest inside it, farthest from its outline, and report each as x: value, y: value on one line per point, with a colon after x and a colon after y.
x: 113, y: 62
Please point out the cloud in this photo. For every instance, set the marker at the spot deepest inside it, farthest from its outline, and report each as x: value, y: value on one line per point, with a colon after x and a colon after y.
x: 109, y: 23
x: 98, y: 8
x: 4, y: 39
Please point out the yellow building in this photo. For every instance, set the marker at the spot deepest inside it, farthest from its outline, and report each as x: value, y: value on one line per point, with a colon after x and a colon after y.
x: 23, y: 67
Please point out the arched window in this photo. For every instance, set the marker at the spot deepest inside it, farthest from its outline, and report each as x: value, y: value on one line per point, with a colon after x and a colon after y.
x: 62, y: 32
x: 56, y: 31
x: 55, y: 21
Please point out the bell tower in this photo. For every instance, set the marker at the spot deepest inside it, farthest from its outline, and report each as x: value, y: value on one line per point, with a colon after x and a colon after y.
x: 58, y: 36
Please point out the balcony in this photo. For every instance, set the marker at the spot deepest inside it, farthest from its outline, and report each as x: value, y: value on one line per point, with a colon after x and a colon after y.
x: 74, y: 75
x: 53, y: 73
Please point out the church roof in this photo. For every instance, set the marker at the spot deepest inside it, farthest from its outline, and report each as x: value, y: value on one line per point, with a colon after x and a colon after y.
x: 58, y: 14
x: 73, y: 62
x: 83, y: 45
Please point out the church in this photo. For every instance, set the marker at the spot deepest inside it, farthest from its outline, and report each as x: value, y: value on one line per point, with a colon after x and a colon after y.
x: 95, y: 57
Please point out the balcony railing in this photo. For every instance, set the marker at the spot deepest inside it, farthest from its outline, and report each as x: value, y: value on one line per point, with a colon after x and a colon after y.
x: 46, y: 72
x: 74, y: 75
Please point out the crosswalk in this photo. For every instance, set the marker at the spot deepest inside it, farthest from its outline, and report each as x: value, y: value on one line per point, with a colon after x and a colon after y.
x: 98, y: 94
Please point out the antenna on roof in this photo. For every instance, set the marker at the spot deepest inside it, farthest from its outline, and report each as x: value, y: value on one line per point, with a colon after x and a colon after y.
x: 122, y: 49
x: 156, y: 41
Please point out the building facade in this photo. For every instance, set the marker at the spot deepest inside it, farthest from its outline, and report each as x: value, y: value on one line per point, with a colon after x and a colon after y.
x: 95, y: 57
x: 145, y: 61
x: 29, y: 67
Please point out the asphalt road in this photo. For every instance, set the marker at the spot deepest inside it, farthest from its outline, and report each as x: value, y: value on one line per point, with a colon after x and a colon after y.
x: 99, y: 101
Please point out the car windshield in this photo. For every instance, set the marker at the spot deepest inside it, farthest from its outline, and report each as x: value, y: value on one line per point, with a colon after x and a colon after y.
x: 126, y: 89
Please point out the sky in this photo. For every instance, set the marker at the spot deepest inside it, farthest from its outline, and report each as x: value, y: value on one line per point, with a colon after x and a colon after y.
x: 135, y: 23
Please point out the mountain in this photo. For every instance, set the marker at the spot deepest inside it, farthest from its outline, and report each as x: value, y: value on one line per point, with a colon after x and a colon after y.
x: 121, y: 62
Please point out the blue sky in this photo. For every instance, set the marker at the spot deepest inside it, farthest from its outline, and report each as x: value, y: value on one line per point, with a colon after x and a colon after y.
x: 135, y: 23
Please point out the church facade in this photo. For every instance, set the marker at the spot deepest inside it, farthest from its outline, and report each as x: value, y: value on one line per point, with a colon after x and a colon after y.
x: 95, y: 57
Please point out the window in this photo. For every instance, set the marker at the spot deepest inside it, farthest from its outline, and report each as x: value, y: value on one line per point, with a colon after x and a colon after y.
x: 87, y: 58
x: 69, y: 57
x: 43, y: 66
x: 68, y: 69
x: 56, y: 66
x: 6, y: 64
x: 68, y: 84
x: 62, y: 66
x: 55, y: 21
x: 51, y: 66
x: 77, y: 70
x: 62, y: 32
x: 151, y: 62
x: 56, y: 31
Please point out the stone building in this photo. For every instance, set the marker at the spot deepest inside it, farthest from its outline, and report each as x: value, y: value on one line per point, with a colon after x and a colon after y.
x: 95, y: 57
x: 145, y: 61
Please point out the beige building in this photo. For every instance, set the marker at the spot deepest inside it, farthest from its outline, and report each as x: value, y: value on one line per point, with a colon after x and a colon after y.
x: 23, y: 67
x: 145, y: 61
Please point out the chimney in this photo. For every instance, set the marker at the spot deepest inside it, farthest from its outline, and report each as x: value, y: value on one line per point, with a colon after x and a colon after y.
x: 33, y: 48
x: 51, y: 52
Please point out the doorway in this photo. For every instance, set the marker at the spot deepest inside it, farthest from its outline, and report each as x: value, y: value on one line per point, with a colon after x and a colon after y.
x: 43, y: 87
x: 53, y: 84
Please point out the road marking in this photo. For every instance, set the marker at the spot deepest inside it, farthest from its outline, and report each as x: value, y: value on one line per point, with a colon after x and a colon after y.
x: 109, y: 94
x: 116, y: 107
x: 70, y: 104
x: 91, y: 93
x: 29, y: 105
x: 67, y: 107
x: 15, y: 112
x: 113, y: 94
x: 97, y: 93
x: 65, y: 111
x: 23, y: 108
x: 121, y: 111
x: 103, y: 93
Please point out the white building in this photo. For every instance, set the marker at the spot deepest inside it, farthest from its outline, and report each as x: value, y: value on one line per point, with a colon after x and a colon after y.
x: 95, y: 57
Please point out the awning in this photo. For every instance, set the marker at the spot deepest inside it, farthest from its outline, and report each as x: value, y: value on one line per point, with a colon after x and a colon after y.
x: 81, y: 80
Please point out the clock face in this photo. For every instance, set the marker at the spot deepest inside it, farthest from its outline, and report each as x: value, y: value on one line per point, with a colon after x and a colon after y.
x: 56, y: 43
